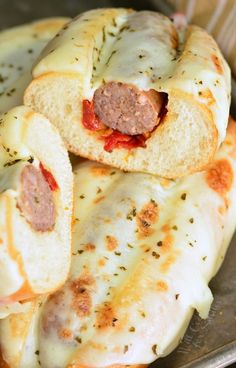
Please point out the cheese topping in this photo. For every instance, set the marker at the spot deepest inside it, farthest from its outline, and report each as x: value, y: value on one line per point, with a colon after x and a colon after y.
x: 143, y: 49
x: 132, y: 255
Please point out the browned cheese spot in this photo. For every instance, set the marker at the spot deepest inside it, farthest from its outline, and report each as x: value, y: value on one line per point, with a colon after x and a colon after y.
x: 146, y: 218
x: 166, y: 265
x: 165, y: 228
x: 99, y: 199
x: 207, y: 95
x: 100, y: 170
x: 111, y: 242
x: 217, y: 63
x: 36, y: 200
x: 65, y: 334
x: 168, y: 239
x: 105, y: 316
x: 81, y: 300
x: 102, y: 262
x: 219, y: 177
x: 162, y: 286
x: 50, y: 320
x: 230, y: 140
x: 90, y: 247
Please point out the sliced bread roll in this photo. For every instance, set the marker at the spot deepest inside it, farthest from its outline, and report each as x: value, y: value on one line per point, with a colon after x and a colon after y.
x: 20, y: 46
x: 144, y: 251
x: 35, y: 207
x: 131, y: 90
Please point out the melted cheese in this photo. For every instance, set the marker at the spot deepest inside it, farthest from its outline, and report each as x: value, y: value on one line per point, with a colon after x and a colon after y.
x: 127, y: 300
x: 144, y: 49
x: 20, y: 47
x: 131, y: 293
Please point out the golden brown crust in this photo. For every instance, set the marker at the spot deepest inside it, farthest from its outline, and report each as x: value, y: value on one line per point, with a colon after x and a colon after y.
x: 220, y: 176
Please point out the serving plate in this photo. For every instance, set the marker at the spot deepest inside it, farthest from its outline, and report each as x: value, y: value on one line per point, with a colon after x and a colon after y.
x: 209, y: 343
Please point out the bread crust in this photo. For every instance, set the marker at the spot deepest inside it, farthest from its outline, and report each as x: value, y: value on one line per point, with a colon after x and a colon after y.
x: 28, y: 138
x: 116, y: 208
x: 82, y: 142
x: 197, y: 84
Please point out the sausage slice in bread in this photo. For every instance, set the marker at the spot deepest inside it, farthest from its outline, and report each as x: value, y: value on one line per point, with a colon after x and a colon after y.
x: 144, y: 251
x: 35, y: 208
x: 131, y: 90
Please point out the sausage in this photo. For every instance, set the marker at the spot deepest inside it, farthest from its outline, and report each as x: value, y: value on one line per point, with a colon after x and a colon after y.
x: 125, y: 108
x: 36, y: 200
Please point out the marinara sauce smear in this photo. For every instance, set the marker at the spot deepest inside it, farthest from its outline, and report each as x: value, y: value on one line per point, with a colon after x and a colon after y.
x: 130, y: 113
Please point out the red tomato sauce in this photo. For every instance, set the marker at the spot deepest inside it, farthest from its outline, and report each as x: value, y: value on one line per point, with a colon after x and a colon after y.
x: 49, y: 178
x: 115, y: 139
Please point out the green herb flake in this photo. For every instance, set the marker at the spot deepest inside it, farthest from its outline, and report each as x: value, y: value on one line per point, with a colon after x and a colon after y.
x: 113, y: 53
x: 154, y: 202
x: 155, y: 255
x: 131, y: 214
x: 130, y: 246
x: 10, y: 163
x: 78, y: 339
x: 31, y: 160
x: 126, y: 348
x: 114, y: 320
x: 154, y: 349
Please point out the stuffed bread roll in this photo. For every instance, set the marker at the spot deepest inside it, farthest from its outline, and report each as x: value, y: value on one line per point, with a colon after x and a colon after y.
x: 35, y: 208
x: 20, y: 46
x: 131, y: 90
x: 143, y: 251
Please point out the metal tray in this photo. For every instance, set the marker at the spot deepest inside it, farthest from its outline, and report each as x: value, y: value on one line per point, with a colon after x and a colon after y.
x: 209, y: 343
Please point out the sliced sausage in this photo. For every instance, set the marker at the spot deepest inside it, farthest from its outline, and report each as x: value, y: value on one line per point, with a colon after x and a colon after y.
x: 125, y: 108
x: 36, y: 199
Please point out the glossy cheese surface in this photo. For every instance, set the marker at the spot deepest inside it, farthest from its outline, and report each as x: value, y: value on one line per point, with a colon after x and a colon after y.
x: 20, y: 47
x: 136, y: 240
x: 144, y: 49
